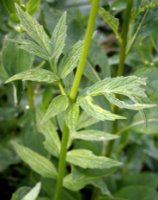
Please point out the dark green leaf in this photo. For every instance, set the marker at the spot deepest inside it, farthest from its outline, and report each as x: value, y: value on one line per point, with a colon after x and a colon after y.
x: 137, y: 192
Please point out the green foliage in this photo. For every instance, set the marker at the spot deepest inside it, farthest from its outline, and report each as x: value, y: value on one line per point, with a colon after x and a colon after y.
x: 57, y: 105
x: 93, y: 135
x: 112, y: 21
x: 37, y: 75
x: 96, y: 111
x: 86, y: 159
x: 65, y: 113
x: 37, y: 162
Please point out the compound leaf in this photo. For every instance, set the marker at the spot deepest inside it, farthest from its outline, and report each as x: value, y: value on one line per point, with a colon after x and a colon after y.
x: 33, y: 29
x: 128, y: 86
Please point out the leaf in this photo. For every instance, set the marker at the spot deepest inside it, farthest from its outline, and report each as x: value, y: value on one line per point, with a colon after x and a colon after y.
x: 128, y: 86
x: 143, y: 8
x: 52, y: 141
x: 86, y: 120
x: 37, y: 74
x: 86, y: 159
x: 34, y: 29
x: 33, y: 194
x: 70, y: 60
x: 58, y: 37
x: 112, y: 21
x: 32, y: 6
x: 33, y: 48
x: 137, y: 192
x: 71, y: 116
x: 19, y: 60
x: 109, y: 198
x: 20, y: 193
x: 86, y: 103
x: 148, y: 179
x: 79, y: 178
x: 77, y: 184
x: 94, y: 135
x: 38, y: 163
x: 145, y: 127
x: 123, y: 104
x: 57, y: 105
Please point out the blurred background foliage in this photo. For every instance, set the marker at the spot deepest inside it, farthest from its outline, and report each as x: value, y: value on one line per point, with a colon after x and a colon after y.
x: 138, y: 145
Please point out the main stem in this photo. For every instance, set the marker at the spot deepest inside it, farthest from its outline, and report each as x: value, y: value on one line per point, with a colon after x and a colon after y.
x: 121, y: 65
x: 84, y: 53
x: 73, y: 94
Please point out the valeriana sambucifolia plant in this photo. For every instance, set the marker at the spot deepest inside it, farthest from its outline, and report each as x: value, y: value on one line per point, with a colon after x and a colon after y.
x: 73, y: 109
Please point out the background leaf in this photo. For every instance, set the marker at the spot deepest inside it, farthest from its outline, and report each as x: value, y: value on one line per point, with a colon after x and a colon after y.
x: 112, y: 21
x: 32, y: 195
x: 38, y: 163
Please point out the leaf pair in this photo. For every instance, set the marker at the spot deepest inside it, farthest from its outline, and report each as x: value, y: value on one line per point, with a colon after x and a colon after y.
x: 40, y: 44
x: 131, y: 87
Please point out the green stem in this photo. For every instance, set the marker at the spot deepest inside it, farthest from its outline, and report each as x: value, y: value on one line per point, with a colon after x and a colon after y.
x: 30, y: 94
x: 129, y: 46
x: 84, y: 54
x: 62, y: 162
x: 120, y: 70
x: 124, y: 38
x: 60, y: 84
x: 73, y: 94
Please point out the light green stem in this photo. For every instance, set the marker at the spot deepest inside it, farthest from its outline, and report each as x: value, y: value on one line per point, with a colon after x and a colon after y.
x: 84, y: 54
x: 30, y: 94
x: 120, y: 70
x: 73, y: 94
x: 62, y: 162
